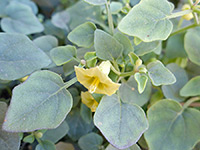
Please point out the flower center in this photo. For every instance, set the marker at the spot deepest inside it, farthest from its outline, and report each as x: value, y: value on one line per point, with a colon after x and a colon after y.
x: 94, y: 85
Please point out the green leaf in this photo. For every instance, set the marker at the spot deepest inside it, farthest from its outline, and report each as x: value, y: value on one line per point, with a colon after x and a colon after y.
x: 148, y: 20
x: 191, y: 88
x: 68, y: 68
x: 122, y: 126
x: 76, y: 96
x: 3, y: 4
x: 45, y: 145
x: 145, y: 48
x: 141, y: 80
x: 172, y: 91
x: 29, y: 139
x: 48, y: 103
x: 96, y: 2
x: 82, y: 12
x: 134, y: 147
x: 63, y: 54
x: 20, y: 19
x: 78, y: 127
x: 19, y: 56
x: 86, y: 113
x: 171, y: 127
x: 129, y: 92
x: 54, y: 135
x: 61, y: 19
x: 175, y: 46
x: 106, y: 46
x: 46, y: 42
x: 83, y: 35
x: 91, y: 141
x: 126, y: 43
x: 64, y: 146
x: 8, y: 141
x: 115, y: 7
x: 191, y: 44
x: 159, y: 74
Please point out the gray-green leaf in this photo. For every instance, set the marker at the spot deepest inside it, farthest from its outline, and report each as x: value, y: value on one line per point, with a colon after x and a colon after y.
x: 63, y: 54
x: 134, y: 147
x: 191, y: 88
x: 122, y: 126
x: 42, y: 102
x: 106, y: 46
x: 8, y: 141
x: 20, y: 19
x: 191, y: 44
x: 159, y: 74
x: 96, y: 2
x: 148, y: 20
x: 171, y: 127
x: 83, y: 35
x: 19, y: 56
x: 141, y: 80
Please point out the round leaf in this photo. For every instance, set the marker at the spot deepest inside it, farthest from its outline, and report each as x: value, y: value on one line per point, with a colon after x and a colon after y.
x: 96, y: 2
x: 19, y: 56
x: 122, y: 124
x: 148, y: 20
x: 171, y: 127
x: 41, y: 102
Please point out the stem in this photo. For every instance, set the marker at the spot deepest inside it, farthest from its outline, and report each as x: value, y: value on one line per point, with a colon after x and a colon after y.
x: 77, y: 59
x: 183, y: 29
x: 110, y: 20
x: 179, y: 14
x: 180, y: 22
x: 196, y: 10
x: 125, y: 74
x: 196, y: 3
x: 70, y: 82
x: 190, y: 101
x: 196, y: 19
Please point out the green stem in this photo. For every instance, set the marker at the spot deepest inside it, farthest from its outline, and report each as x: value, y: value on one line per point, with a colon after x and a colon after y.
x: 179, y: 14
x: 77, y: 59
x: 196, y: 3
x: 196, y: 19
x: 183, y: 29
x: 110, y: 20
x: 180, y: 22
x: 125, y: 74
x: 190, y: 101
x: 196, y: 10
x: 70, y: 82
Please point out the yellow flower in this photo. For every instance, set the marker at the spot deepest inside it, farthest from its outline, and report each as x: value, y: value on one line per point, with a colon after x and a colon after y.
x: 96, y: 79
x: 187, y: 16
x: 89, y: 101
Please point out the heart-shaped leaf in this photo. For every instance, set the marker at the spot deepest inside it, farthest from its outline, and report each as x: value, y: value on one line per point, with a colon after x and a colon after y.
x: 122, y: 124
x: 19, y: 56
x: 148, y: 20
x: 42, y: 102
x: 171, y: 127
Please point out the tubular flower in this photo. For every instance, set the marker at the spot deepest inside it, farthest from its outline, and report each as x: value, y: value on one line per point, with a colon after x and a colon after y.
x: 96, y: 79
x: 89, y: 101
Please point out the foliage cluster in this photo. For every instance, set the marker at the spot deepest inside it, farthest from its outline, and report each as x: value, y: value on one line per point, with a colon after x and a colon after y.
x: 99, y: 75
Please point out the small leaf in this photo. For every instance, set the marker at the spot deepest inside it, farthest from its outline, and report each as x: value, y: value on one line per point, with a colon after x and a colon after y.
x: 63, y: 54
x: 134, y: 147
x: 145, y: 48
x: 141, y: 80
x: 129, y: 92
x: 78, y: 127
x: 8, y: 141
x: 20, y: 19
x: 159, y: 74
x: 115, y: 7
x: 19, y: 56
x: 175, y: 46
x: 122, y: 126
x: 148, y: 20
x: 46, y: 42
x: 83, y: 35
x: 191, y: 88
x: 47, y: 105
x: 96, y: 2
x: 54, y: 135
x: 171, y: 127
x: 45, y: 145
x: 191, y: 44
x: 106, y: 46
x: 91, y: 141
x: 61, y: 19
x: 172, y: 91
x: 29, y: 139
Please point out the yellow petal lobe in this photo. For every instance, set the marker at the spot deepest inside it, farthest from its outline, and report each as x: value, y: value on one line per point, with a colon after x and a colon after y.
x: 89, y: 101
